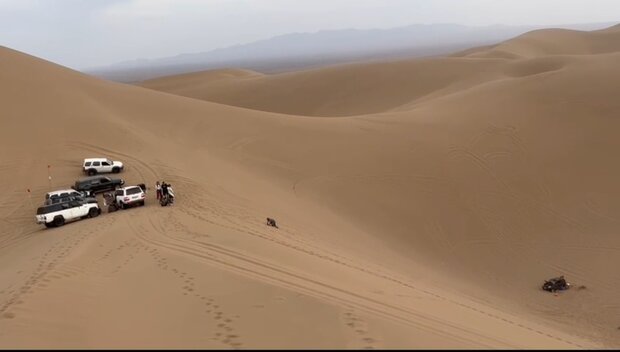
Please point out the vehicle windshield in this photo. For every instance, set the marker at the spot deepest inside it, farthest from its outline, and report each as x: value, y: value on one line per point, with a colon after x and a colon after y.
x: 109, y: 161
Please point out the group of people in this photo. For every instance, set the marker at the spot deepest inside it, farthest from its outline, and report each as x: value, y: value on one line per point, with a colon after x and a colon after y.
x: 164, y: 191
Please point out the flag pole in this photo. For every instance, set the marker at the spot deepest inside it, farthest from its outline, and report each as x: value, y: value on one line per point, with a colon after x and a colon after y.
x: 30, y: 199
x: 49, y: 176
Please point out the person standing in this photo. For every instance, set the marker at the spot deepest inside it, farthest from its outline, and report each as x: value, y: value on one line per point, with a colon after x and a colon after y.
x: 164, y: 189
x: 158, y: 190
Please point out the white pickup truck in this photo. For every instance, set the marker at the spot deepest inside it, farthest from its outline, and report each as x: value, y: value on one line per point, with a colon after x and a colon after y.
x: 58, y: 214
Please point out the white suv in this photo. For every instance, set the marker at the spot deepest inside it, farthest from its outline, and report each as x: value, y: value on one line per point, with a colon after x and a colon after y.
x: 56, y: 196
x: 128, y: 196
x: 94, y: 166
x: 57, y: 214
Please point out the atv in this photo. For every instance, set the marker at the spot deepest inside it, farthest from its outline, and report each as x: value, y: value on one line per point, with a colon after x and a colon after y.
x: 109, y: 200
x: 556, y: 284
x: 167, y: 199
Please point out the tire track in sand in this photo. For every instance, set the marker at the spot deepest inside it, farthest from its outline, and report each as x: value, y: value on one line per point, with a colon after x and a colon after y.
x: 246, y: 265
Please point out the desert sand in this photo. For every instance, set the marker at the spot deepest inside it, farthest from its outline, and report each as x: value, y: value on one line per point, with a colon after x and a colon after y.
x: 420, y: 203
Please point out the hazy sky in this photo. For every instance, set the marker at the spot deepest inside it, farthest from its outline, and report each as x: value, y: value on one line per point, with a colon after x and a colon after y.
x: 87, y: 33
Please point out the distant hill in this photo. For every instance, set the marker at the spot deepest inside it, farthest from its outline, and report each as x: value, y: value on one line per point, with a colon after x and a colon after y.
x: 367, y: 88
x: 307, y: 50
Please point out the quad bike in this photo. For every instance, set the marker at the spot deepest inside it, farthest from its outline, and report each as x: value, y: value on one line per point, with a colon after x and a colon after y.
x: 167, y: 199
x: 109, y: 200
x: 272, y: 222
x: 556, y: 284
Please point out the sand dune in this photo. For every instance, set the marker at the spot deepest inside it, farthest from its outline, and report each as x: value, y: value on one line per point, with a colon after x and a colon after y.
x: 204, y: 79
x: 335, y: 91
x: 559, y: 42
x: 349, y: 90
x: 428, y: 224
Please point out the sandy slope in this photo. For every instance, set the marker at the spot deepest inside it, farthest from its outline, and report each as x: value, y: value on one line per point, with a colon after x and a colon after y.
x: 517, y: 153
x: 431, y: 225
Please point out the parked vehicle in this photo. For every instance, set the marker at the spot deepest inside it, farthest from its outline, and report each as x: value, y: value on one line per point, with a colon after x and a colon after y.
x: 97, y: 184
x: 55, y: 196
x: 95, y: 166
x: 58, y: 214
x: 62, y: 193
x: 130, y: 196
x: 69, y: 198
x: 110, y: 201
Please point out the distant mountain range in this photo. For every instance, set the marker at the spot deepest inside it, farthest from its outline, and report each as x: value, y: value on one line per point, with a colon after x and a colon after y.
x: 306, y: 50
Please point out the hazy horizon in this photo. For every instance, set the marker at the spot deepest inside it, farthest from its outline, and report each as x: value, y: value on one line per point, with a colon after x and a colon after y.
x: 86, y: 34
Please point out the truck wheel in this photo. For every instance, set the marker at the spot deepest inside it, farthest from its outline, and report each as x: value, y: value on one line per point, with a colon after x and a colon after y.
x: 59, y: 221
x: 116, y: 170
x: 49, y: 225
x: 92, y: 172
x: 93, y: 213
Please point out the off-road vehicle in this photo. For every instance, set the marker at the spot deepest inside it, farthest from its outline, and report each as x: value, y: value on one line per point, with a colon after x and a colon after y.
x: 62, y: 196
x: 129, y: 196
x: 95, y: 166
x: 58, y: 214
x: 97, y: 184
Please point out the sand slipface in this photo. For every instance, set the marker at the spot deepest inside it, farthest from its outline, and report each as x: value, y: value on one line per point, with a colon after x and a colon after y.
x: 425, y: 211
